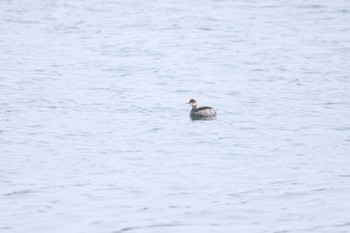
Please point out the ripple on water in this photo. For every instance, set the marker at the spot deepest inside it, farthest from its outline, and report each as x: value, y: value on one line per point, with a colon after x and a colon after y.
x: 96, y: 135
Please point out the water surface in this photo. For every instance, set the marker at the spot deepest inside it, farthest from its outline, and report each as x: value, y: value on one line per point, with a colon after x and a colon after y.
x: 95, y: 135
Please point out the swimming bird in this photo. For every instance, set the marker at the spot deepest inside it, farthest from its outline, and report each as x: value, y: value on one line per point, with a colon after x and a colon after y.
x: 201, y: 112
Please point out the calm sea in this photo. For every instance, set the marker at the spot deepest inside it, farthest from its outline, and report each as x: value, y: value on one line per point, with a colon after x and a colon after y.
x: 95, y: 134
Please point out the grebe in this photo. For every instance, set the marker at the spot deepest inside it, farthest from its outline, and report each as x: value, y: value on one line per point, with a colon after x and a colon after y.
x: 202, y: 112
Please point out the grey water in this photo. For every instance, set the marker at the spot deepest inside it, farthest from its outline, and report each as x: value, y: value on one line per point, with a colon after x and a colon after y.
x: 95, y: 133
